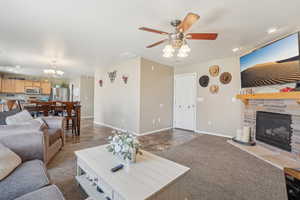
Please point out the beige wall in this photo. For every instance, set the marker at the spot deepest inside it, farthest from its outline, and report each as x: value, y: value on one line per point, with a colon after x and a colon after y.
x: 217, y: 113
x: 117, y: 104
x: 156, y: 104
x: 142, y: 105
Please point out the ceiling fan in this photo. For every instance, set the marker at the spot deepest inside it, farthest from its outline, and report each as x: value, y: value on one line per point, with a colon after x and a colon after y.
x: 177, y: 39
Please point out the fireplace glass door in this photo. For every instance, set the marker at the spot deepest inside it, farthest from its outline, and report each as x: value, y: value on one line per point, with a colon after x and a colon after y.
x: 274, y: 129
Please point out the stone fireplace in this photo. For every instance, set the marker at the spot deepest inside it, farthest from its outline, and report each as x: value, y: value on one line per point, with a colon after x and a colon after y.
x: 274, y: 123
x: 274, y: 129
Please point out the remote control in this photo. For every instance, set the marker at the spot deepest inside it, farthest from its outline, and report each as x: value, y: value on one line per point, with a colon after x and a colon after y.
x: 99, y: 189
x: 117, y: 168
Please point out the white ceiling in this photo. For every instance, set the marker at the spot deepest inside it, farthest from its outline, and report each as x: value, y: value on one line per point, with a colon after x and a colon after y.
x: 85, y: 34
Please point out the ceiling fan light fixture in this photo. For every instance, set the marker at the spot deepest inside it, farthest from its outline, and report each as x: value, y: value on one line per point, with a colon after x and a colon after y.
x: 185, y: 48
x: 168, y: 55
x: 182, y: 54
x: 168, y: 49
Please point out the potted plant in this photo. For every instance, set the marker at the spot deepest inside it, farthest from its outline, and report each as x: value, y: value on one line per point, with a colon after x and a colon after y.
x: 124, y: 145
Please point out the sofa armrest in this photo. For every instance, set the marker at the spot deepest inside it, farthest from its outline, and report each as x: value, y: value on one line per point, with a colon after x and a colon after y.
x: 28, y: 146
x: 54, y: 122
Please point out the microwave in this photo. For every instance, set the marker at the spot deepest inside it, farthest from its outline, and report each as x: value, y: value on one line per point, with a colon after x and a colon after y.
x: 33, y: 90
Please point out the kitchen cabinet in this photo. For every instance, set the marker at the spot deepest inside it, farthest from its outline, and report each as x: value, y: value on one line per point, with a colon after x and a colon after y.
x: 8, y: 86
x: 46, y: 87
x: 0, y: 84
x: 36, y: 84
x: 28, y: 83
x: 20, y: 86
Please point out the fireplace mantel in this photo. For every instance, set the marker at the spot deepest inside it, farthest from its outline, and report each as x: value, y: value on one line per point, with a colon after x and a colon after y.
x: 278, y: 95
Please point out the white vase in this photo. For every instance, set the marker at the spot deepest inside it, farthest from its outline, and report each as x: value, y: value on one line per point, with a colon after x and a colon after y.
x: 128, y: 161
x: 133, y: 156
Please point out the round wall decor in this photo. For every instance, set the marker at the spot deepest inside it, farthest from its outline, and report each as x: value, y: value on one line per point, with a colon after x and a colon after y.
x: 214, y: 70
x: 203, y: 81
x: 214, y: 89
x: 225, y: 78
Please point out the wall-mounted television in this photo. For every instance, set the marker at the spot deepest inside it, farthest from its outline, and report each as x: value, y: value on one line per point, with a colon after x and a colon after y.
x: 275, y: 63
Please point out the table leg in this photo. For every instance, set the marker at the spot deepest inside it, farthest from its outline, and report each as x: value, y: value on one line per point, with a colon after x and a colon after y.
x: 78, y: 120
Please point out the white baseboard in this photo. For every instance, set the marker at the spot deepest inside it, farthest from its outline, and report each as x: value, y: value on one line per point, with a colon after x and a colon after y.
x: 215, y: 134
x: 113, y: 127
x: 123, y: 130
x: 155, y: 131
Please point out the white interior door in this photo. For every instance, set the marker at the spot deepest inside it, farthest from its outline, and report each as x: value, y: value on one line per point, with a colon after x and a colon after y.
x: 185, y: 101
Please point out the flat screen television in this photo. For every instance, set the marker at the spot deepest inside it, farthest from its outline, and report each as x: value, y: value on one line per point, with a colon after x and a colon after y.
x: 275, y: 63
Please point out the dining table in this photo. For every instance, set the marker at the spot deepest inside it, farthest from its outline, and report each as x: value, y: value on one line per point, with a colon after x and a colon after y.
x: 34, y: 107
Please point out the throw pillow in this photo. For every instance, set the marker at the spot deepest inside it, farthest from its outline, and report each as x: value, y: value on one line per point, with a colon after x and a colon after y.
x: 19, y: 118
x: 4, y: 115
x: 9, y: 161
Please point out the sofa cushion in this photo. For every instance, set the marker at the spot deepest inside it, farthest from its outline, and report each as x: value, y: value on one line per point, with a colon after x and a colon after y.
x: 8, y: 130
x: 46, y: 193
x: 8, y: 161
x: 54, y: 135
x: 4, y: 115
x: 28, y: 177
x: 19, y: 118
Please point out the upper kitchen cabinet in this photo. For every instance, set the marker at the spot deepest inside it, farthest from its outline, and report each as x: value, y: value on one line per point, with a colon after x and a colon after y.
x: 46, y: 87
x: 0, y: 84
x: 19, y: 86
x: 28, y: 83
x: 8, y: 85
x: 36, y: 84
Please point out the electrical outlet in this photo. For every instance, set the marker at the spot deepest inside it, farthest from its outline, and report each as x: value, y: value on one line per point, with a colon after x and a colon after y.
x: 152, y: 67
x: 200, y: 99
x: 158, y: 120
x: 209, y: 123
x: 161, y: 105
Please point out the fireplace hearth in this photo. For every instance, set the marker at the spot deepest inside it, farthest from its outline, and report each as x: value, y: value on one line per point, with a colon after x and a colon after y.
x: 274, y: 129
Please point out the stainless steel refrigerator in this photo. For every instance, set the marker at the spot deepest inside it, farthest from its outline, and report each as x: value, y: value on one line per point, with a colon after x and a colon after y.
x: 60, y: 94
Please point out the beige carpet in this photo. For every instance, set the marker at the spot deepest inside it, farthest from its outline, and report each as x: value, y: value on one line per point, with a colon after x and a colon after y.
x: 219, y: 171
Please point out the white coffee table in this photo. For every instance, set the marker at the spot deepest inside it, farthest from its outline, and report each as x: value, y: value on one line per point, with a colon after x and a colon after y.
x: 151, y: 177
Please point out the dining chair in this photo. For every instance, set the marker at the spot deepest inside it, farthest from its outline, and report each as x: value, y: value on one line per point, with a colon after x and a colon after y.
x: 70, y: 116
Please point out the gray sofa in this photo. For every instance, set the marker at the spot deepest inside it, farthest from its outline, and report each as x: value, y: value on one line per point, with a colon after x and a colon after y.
x: 29, y: 181
x: 52, y: 139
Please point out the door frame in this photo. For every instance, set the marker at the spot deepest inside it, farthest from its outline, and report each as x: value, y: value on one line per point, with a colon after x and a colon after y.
x: 194, y: 74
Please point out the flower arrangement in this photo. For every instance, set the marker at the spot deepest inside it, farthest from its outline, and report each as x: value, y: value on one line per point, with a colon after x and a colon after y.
x: 124, y: 145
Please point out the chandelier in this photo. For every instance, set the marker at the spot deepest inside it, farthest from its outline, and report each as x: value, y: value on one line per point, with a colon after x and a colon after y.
x: 182, y: 50
x: 52, y: 71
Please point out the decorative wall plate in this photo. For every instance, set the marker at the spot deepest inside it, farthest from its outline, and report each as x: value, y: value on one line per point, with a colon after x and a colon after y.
x: 214, y: 70
x: 225, y: 78
x: 204, y: 81
x: 214, y: 89
x: 112, y: 75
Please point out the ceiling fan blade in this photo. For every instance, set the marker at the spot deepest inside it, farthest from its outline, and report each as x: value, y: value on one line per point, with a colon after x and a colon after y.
x: 157, y: 43
x: 188, y: 21
x: 201, y: 36
x: 153, y: 30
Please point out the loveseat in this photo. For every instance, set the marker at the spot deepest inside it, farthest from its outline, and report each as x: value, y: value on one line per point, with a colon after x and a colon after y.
x: 30, y: 180
x: 52, y: 138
